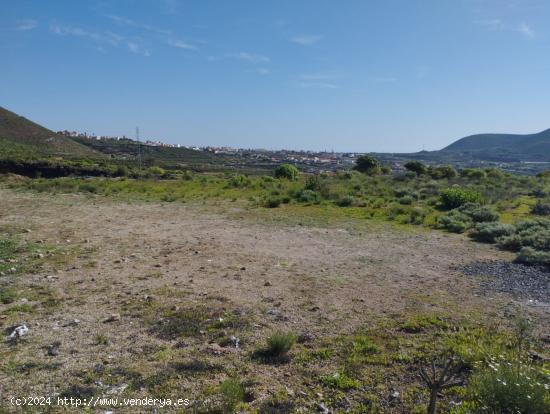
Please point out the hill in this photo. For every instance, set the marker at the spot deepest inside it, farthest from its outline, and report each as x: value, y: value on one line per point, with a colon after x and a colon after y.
x: 21, y: 137
x: 530, y: 147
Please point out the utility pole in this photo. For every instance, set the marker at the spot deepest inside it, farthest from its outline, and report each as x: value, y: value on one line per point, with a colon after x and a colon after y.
x: 139, y: 148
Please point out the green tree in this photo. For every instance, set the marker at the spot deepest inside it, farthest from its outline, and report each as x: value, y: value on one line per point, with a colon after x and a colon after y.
x: 416, y: 167
x: 367, y: 165
x: 287, y: 171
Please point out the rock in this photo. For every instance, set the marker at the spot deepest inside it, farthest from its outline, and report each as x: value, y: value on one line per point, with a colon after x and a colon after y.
x: 28, y: 230
x: 113, y: 317
x: 53, y: 349
x: 322, y: 408
x: 243, y: 268
x: 235, y: 341
x: 17, y: 331
x: 305, y: 336
x: 394, y: 395
x: 268, y: 283
x: 117, y: 390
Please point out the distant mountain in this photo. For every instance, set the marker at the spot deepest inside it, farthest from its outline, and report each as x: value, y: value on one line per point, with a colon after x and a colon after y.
x: 19, y: 136
x: 507, y: 147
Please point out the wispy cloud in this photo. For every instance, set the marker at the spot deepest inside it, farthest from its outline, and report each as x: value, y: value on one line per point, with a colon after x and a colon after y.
x: 491, y: 24
x: 260, y: 71
x: 319, y: 81
x: 526, y: 30
x: 181, y: 44
x: 102, y: 38
x: 250, y: 57
x: 495, y: 25
x: 26, y: 24
x: 161, y: 34
x: 382, y: 79
x: 306, y: 40
x: 124, y: 21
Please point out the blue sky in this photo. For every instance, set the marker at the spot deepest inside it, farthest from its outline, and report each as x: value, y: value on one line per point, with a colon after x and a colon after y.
x: 348, y: 75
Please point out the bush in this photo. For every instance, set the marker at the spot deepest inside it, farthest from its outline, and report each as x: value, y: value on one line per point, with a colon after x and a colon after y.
x: 278, y: 344
x: 443, y: 171
x: 454, y: 221
x: 478, y: 214
x: 239, y: 181
x: 367, y: 165
x: 308, y: 196
x: 416, y: 167
x: 345, y: 201
x: 273, y: 202
x: 287, y: 171
x: 455, y: 197
x: 530, y: 256
x: 490, y: 232
x: 475, y: 173
x: 233, y: 393
x: 541, y: 209
x: 503, y: 387
x: 405, y: 200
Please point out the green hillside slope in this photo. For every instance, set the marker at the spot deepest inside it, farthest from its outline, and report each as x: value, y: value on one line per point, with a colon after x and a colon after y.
x: 21, y: 137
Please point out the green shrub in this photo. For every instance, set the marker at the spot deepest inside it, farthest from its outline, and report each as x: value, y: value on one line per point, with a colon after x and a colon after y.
x: 405, y: 200
x: 345, y: 201
x: 475, y: 173
x: 455, y: 197
x: 416, y: 167
x: 443, y: 171
x: 87, y: 188
x: 308, y: 196
x: 287, y: 172
x: 367, y: 165
x: 530, y: 256
x: 541, y: 209
x: 279, y: 343
x: 233, y: 393
x: 239, y: 181
x: 340, y: 380
x: 273, y: 202
x: 490, y: 232
x: 7, y: 295
x: 478, y: 213
x: 454, y: 221
x: 503, y: 387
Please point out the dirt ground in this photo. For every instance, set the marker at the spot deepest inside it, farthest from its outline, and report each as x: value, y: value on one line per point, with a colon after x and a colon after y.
x: 130, y: 258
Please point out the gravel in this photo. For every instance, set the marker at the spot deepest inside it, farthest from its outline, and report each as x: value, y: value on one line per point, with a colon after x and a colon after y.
x: 527, y: 282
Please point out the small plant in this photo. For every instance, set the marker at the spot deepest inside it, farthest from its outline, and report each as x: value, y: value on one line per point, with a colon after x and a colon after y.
x: 340, y: 380
x: 530, y: 256
x: 278, y: 344
x: 233, y: 393
x: 273, y: 202
x: 504, y: 387
x: 7, y: 295
x: 101, y: 339
x: 437, y: 380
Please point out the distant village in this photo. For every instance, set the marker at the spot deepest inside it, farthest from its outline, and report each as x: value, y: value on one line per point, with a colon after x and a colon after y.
x: 312, y: 161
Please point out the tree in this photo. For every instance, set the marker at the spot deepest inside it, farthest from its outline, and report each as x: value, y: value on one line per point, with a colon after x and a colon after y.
x: 287, y: 171
x: 416, y: 167
x: 367, y: 165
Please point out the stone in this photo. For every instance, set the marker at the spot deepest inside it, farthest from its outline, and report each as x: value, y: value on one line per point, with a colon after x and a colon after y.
x: 113, y: 317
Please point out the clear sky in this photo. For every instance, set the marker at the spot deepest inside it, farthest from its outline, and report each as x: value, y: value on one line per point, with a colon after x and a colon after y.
x: 348, y: 75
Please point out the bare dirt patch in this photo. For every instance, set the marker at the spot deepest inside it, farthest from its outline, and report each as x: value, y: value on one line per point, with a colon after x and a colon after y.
x: 155, y: 295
